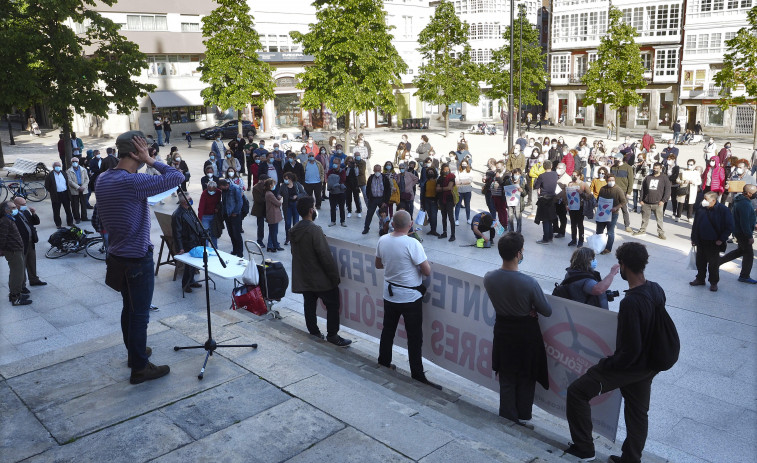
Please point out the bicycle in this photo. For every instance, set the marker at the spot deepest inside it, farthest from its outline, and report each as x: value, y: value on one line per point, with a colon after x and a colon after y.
x: 31, y: 191
x: 73, y: 240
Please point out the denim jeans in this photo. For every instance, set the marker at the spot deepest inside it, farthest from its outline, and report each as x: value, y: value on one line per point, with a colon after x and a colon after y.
x: 610, y: 226
x: 206, y: 220
x: 514, y: 219
x: 432, y: 210
x: 463, y: 197
x: 546, y: 226
x: 138, y: 284
x: 159, y: 133
x: 273, y: 236
x: 291, y: 217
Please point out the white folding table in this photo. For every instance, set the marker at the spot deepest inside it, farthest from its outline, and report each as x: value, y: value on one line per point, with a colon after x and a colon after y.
x: 234, y: 266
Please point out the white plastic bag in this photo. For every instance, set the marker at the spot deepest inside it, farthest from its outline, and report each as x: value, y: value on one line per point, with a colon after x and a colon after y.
x: 597, y: 242
x: 251, y: 275
x: 692, y: 258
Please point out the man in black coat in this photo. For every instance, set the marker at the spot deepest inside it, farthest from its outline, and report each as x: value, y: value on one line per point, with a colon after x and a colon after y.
x: 713, y: 224
x: 28, y: 219
x: 294, y: 166
x: 379, y: 190
x: 186, y: 235
x: 100, y: 164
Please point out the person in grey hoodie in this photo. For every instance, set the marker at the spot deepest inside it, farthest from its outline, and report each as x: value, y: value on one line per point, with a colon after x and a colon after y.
x: 626, y: 369
x: 315, y: 274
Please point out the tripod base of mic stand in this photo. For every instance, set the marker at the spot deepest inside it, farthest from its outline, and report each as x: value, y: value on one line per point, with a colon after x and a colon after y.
x: 210, y: 346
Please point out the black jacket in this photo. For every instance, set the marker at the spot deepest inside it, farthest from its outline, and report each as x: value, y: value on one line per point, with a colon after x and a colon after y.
x: 387, y: 188
x: 32, y: 220
x: 296, y: 169
x: 186, y: 232
x: 635, y: 322
x: 712, y: 225
x: 655, y: 189
x: 204, y: 181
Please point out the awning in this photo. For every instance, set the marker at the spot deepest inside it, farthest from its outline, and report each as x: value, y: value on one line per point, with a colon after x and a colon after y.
x: 172, y: 99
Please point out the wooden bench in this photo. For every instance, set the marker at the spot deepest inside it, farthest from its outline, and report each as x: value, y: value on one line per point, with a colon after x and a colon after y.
x: 27, y: 167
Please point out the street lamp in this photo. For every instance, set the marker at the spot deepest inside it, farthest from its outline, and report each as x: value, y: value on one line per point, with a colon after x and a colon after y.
x: 510, y: 140
x: 520, y: 63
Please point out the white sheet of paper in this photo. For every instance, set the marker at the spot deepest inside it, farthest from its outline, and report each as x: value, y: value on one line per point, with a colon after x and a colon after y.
x: 153, y: 200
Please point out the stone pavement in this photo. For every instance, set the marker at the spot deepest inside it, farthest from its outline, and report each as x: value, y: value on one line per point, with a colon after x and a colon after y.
x: 64, y: 376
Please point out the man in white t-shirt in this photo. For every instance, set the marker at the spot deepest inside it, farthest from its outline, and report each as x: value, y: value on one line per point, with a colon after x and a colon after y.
x: 405, y: 264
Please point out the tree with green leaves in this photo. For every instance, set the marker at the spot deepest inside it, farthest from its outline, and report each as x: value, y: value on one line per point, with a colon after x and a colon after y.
x: 70, y: 72
x: 618, y: 72
x: 448, y: 74
x: 232, y: 68
x: 355, y: 65
x: 740, y: 69
x: 528, y: 65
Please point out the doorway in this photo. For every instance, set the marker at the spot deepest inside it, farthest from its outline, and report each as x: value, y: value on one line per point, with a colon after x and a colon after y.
x: 691, y: 117
x: 599, y: 114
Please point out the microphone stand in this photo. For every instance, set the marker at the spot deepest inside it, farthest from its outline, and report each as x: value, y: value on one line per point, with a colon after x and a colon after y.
x: 210, y: 345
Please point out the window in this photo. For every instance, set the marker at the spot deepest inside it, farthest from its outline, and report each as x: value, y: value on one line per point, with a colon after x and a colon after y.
x: 143, y: 22
x: 560, y: 66
x: 81, y: 28
x: 666, y: 62
x: 581, y: 66
x: 650, y: 21
x: 190, y: 27
x: 173, y: 65
x: 579, y: 27
x: 181, y: 114
x: 646, y: 61
x: 407, y: 22
x: 714, y: 116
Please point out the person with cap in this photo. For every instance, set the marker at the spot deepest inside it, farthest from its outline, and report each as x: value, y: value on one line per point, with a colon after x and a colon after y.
x: 78, y: 183
x: 57, y: 185
x: 12, y: 248
x: 29, y: 216
x: 186, y: 235
x: 123, y: 210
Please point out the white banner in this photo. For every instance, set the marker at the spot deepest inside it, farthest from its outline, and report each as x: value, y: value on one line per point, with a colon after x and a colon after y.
x: 511, y: 194
x: 604, y: 210
x: 458, y: 327
x: 574, y: 199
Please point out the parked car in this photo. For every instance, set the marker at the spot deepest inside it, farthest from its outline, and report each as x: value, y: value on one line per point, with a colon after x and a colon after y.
x: 228, y: 129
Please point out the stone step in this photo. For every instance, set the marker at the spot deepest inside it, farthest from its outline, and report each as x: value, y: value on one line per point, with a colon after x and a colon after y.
x: 364, y: 396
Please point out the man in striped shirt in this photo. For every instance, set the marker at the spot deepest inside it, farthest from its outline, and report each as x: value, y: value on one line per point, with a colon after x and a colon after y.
x: 122, y: 205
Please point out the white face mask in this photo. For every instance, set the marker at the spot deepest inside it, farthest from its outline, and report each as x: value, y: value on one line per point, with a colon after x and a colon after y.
x: 177, y: 159
x: 231, y: 174
x: 705, y: 203
x: 712, y: 163
x: 560, y: 171
x: 611, y: 183
x: 690, y: 166
x: 740, y: 170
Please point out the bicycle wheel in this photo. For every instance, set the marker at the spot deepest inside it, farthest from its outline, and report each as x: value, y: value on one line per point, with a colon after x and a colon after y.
x: 55, y: 252
x: 96, y: 249
x: 3, y: 192
x: 34, y: 191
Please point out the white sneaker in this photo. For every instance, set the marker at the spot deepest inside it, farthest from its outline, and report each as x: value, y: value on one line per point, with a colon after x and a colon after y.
x: 457, y: 222
x: 676, y: 219
x: 359, y: 214
x: 469, y: 221
x: 349, y: 214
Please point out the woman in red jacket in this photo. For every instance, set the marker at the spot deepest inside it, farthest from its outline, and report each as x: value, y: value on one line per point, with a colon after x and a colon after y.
x: 210, y: 199
x: 570, y: 161
x: 713, y: 178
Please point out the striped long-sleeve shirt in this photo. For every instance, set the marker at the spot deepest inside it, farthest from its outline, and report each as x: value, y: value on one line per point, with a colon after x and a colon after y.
x: 122, y: 205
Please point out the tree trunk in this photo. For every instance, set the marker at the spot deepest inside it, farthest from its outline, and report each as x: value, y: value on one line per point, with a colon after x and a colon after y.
x: 239, y: 122
x: 754, y: 130
x: 2, y: 156
x: 67, y: 144
x: 446, y: 121
x: 617, y: 124
x: 346, y: 134
x: 10, y: 130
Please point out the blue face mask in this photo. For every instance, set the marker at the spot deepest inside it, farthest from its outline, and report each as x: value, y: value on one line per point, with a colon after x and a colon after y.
x: 14, y: 212
x: 57, y: 168
x: 212, y: 158
x: 521, y: 258
x: 23, y: 208
x: 311, y: 158
x: 402, y: 169
x: 336, y: 166
x: 594, y: 264
x: 74, y: 165
x: 357, y: 158
x: 257, y: 161
x: 292, y: 161
x: 211, y: 193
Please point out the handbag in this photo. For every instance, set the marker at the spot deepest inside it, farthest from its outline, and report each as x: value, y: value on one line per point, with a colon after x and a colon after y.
x: 249, y: 298
x: 251, y: 275
x: 395, y: 196
x: 589, y: 204
x: 455, y: 195
x: 421, y: 217
x: 692, y: 258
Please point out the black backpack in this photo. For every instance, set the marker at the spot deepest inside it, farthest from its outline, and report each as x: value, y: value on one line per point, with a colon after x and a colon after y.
x: 563, y: 289
x: 664, y: 345
x: 245, y: 206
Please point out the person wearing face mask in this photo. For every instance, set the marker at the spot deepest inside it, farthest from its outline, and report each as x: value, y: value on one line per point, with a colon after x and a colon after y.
x: 624, y: 177
x: 655, y: 192
x: 214, y: 163
x: 725, y: 153
x: 584, y: 283
x: 233, y: 177
x: 713, y: 178
x: 688, y: 182
x: 464, y: 182
x: 710, y: 149
x: 406, y: 182
x: 27, y: 219
x: 12, y: 248
x: 314, y: 177
x: 186, y: 235
x: 640, y: 170
x: 560, y: 223
x: 99, y: 165
x: 181, y: 165
x: 291, y: 191
x: 515, y: 213
x: 444, y: 186
x: 218, y: 147
x: 599, y: 182
x: 627, y: 369
x: 363, y: 148
x: 78, y: 182
x: 575, y: 211
x: 56, y: 185
x: 323, y: 158
x: 669, y: 150
x: 713, y: 224
x: 613, y: 192
x: 534, y: 171
x: 486, y: 189
x: 379, y: 189
x: 208, y: 177
x: 744, y: 222
x: 361, y: 177
x: 273, y: 214
x: 519, y: 358
x: 230, y: 163
x: 739, y: 173
x: 423, y: 148
x: 237, y: 149
x: 672, y: 170
x: 569, y: 159
x: 546, y: 185
x: 294, y: 166
x: 269, y: 166
x: 428, y: 197
x: 338, y: 156
x: 208, y: 211
x: 555, y: 152
x: 335, y: 181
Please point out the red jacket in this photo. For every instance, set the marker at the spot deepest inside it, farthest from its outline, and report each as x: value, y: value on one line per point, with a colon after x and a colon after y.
x: 647, y: 141
x: 208, y: 203
x: 570, y: 163
x: 718, y: 176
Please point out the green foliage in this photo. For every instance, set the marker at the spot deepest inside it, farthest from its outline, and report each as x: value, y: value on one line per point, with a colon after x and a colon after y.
x: 444, y: 78
x: 232, y: 69
x: 355, y: 65
x: 48, y: 62
x: 618, y: 71
x: 740, y: 64
x: 529, y: 53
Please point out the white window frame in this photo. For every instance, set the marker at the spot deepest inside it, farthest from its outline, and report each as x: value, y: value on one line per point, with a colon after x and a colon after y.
x: 146, y: 18
x: 560, y: 67
x: 666, y: 63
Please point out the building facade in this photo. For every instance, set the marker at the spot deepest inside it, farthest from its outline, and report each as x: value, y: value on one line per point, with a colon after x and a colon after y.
x: 578, y: 26
x: 708, y: 25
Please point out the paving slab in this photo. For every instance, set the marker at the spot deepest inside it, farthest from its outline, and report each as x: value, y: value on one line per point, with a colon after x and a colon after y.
x: 224, y: 405
x: 385, y: 420
x: 140, y: 439
x: 277, y: 434
x: 28, y: 330
x: 118, y: 401
x: 469, y: 451
x: 719, y: 446
x: 350, y: 445
x: 21, y: 433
